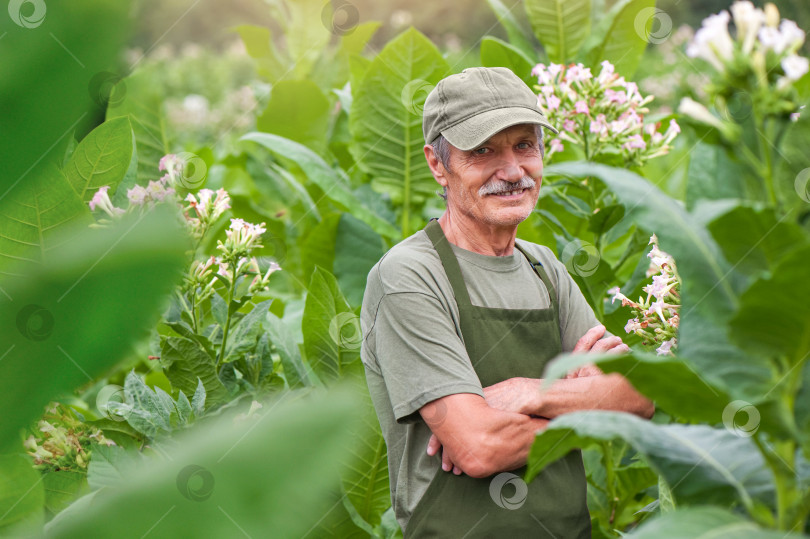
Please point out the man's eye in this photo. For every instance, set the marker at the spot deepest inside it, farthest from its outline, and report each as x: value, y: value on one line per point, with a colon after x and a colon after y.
x: 480, y: 151
x: 524, y: 145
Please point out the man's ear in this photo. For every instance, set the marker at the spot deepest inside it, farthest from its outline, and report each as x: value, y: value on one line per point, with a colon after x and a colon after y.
x: 435, y: 165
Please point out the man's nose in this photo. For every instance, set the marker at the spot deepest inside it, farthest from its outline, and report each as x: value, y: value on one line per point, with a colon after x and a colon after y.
x: 509, y: 168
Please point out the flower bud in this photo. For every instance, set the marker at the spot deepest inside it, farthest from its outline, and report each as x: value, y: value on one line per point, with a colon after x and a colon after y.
x: 771, y: 15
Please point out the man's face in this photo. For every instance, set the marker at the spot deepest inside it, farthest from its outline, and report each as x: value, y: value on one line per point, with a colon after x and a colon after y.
x: 498, y: 182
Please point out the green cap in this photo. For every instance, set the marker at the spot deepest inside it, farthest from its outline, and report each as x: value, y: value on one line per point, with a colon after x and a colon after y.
x: 471, y: 106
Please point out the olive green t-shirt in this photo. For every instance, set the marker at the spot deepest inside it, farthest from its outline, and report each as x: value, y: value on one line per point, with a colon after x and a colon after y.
x: 413, y: 350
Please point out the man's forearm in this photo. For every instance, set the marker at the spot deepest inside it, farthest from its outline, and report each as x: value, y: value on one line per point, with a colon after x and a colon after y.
x: 504, y: 445
x: 601, y: 392
x: 484, y: 440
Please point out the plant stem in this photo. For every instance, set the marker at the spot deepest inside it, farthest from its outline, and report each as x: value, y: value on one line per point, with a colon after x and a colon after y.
x: 780, y: 461
x: 768, y: 162
x: 194, y: 309
x: 610, y: 479
x: 227, y: 321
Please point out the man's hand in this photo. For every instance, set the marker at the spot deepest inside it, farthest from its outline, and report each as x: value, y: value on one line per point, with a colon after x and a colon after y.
x: 511, y: 395
x: 592, y: 341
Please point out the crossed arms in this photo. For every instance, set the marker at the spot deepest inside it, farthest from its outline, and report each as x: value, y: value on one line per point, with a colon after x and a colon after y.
x: 483, y: 436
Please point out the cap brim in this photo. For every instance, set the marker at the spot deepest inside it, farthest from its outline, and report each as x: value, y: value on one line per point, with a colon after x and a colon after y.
x: 475, y: 130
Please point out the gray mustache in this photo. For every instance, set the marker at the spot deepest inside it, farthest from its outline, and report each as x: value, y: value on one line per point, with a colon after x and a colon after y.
x: 500, y: 187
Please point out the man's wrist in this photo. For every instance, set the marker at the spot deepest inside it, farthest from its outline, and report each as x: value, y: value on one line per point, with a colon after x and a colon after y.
x: 533, y: 397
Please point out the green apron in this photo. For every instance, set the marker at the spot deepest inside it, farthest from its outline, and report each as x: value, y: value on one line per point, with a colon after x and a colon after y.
x: 504, y: 343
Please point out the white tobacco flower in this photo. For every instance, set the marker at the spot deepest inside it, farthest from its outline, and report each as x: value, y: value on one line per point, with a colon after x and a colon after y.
x: 693, y: 109
x: 137, y: 196
x: 552, y: 102
x: 666, y: 347
x: 157, y: 191
x: 657, y: 307
x: 607, y: 73
x: 201, y: 270
x: 635, y: 142
x: 748, y: 20
x: 660, y: 286
x: 795, y: 66
x: 173, y: 166
x: 616, y: 97
x: 712, y: 42
x: 101, y: 200
x: 792, y: 35
x: 542, y: 74
x: 242, y: 236
x: 632, y: 326
x: 578, y: 73
x: 787, y: 38
x: 547, y: 90
x: 672, y: 131
x: 599, y: 126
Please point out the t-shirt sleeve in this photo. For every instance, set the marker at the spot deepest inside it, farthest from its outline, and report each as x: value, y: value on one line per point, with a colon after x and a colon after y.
x: 419, y: 353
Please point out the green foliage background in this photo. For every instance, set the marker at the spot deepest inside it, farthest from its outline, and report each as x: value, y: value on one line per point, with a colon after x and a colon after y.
x: 250, y: 401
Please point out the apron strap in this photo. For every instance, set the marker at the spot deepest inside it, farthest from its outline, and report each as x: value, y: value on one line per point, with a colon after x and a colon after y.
x: 449, y: 261
x: 541, y: 272
x: 453, y: 270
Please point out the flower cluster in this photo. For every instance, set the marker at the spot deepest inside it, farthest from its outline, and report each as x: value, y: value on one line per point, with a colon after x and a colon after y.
x: 207, y: 209
x: 656, y: 322
x: 173, y: 166
x: 602, y: 114
x: 61, y: 441
x: 241, y: 238
x: 763, y: 45
x: 101, y: 201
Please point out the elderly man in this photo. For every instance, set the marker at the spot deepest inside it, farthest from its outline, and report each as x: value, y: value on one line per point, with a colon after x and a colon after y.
x: 459, y: 321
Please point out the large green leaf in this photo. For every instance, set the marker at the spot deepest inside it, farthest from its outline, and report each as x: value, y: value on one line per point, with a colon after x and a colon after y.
x: 295, y: 371
x: 518, y: 38
x: 246, y: 332
x: 306, y: 33
x: 62, y: 487
x: 621, y: 36
x: 386, y: 121
x: 143, y: 103
x: 704, y: 522
x: 708, y: 297
x: 53, y: 55
x: 34, y: 215
x: 270, y: 63
x: 366, y: 477
x: 560, y: 25
x: 664, y: 379
x: 496, y: 53
x: 333, y: 181
x: 318, y: 248
x: 65, y: 322
x: 21, y: 492
x: 101, y: 158
x: 297, y: 110
x: 712, y: 174
x: 332, y: 68
x: 703, y: 465
x: 231, y: 477
x: 185, y: 361
x: 357, y: 249
x: 332, y: 334
x: 774, y: 315
x: 365, y: 484
x: 754, y: 240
